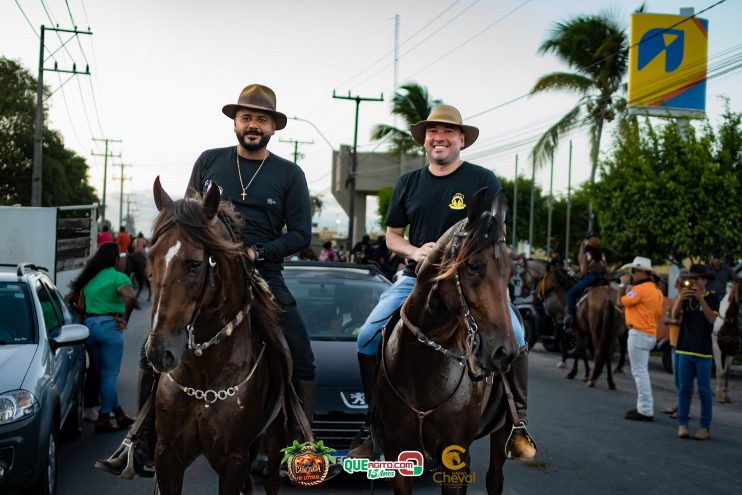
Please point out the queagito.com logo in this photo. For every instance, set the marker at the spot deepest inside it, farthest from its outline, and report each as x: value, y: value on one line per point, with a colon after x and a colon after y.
x: 408, y: 463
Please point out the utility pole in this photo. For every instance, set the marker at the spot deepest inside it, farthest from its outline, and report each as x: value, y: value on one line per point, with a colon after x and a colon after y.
x: 105, y: 156
x: 129, y: 220
x: 354, y: 164
x: 37, y: 170
x: 296, y: 146
x: 515, y: 206
x: 551, y: 206
x: 533, y: 192
x: 569, y: 201
x: 121, y: 192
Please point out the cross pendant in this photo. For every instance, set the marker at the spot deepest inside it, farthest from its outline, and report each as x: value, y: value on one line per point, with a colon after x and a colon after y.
x: 244, y: 194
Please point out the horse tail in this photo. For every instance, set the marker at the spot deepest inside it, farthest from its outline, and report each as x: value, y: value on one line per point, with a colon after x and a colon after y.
x: 605, y: 338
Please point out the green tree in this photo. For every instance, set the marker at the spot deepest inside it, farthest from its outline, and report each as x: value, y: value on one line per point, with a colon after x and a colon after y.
x: 595, y: 48
x: 64, y: 177
x: 413, y: 103
x: 384, y: 198
x: 667, y: 196
x: 315, y: 205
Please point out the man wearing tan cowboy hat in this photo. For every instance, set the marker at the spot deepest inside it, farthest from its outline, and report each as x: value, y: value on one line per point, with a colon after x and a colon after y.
x: 269, y: 192
x: 430, y: 200
x: 697, y: 310
x: 643, y: 303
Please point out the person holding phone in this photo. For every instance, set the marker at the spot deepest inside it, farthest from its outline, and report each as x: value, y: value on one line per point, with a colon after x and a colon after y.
x: 697, y: 309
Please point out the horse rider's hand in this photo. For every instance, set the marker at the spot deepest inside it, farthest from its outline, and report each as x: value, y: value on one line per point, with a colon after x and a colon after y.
x: 251, y: 254
x: 420, y: 253
x: 120, y: 323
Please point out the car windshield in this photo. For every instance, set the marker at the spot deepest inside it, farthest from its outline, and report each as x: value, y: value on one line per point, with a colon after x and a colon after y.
x: 15, y: 314
x: 335, y: 308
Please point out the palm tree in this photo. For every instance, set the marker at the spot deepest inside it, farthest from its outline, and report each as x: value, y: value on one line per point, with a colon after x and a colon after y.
x: 412, y: 102
x: 595, y: 47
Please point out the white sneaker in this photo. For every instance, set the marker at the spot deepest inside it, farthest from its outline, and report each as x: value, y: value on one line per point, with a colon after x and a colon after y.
x: 90, y: 414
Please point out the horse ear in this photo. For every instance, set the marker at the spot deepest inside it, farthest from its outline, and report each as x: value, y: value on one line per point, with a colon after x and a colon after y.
x: 500, y: 210
x: 477, y: 206
x: 211, y: 200
x: 162, y: 199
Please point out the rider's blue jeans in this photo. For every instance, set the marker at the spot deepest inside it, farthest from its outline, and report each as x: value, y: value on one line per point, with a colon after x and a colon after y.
x: 698, y: 368
x: 370, y: 337
x: 572, y: 294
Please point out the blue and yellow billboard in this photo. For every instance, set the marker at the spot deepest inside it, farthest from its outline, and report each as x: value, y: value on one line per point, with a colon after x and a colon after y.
x: 667, y: 64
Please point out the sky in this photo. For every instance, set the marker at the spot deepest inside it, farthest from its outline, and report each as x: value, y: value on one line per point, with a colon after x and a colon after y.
x: 161, y: 72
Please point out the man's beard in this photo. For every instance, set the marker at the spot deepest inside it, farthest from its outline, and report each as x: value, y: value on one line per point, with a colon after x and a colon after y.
x: 253, y: 146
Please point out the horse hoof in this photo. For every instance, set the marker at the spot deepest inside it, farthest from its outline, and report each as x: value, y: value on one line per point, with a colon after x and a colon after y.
x: 586, y: 380
x: 571, y: 376
x: 590, y: 383
x: 611, y: 386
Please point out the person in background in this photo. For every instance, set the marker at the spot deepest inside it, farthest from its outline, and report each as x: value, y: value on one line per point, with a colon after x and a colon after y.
x: 643, y: 303
x: 327, y: 253
x: 109, y: 301
x: 697, y: 309
x: 123, y: 240
x: 674, y: 327
x: 140, y: 244
x: 104, y: 236
x: 593, y: 271
x: 722, y: 274
x: 362, y: 249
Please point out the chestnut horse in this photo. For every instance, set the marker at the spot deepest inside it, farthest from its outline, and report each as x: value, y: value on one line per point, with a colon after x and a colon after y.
x: 441, y: 354
x: 215, y: 338
x: 597, y: 320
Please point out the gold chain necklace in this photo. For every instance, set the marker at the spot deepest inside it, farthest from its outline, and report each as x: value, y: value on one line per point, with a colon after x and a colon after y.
x: 239, y: 172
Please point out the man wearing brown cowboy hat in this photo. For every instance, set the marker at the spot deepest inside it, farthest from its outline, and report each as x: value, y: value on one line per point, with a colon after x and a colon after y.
x: 593, y: 270
x: 269, y: 192
x: 643, y: 303
x: 697, y: 309
x: 430, y: 200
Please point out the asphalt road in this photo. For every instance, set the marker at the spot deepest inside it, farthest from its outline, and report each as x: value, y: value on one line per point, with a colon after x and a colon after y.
x: 585, y: 445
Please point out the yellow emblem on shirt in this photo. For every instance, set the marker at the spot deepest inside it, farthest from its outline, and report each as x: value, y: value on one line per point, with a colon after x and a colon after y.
x: 457, y: 202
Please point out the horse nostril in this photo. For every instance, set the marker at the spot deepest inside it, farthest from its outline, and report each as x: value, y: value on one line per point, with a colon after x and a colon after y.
x: 168, y: 360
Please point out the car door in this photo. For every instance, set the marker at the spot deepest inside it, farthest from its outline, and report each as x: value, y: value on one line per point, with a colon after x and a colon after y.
x: 53, y: 320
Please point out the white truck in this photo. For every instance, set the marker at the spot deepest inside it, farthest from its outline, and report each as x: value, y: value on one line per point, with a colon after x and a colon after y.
x: 60, y: 239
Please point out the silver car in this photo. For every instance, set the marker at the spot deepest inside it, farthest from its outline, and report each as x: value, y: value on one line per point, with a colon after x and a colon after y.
x: 42, y: 366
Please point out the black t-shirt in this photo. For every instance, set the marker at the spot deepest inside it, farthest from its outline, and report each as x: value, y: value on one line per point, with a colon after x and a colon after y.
x: 430, y: 204
x: 695, y: 329
x: 278, y: 196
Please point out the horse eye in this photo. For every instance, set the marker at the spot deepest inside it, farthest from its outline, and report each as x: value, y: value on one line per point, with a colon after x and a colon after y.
x: 193, y: 265
x: 473, y: 266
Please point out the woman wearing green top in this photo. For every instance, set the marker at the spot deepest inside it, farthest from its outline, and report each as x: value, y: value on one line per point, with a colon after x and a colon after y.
x: 109, y: 300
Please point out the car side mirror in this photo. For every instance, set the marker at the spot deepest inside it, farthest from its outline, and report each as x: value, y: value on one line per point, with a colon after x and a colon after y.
x: 72, y: 334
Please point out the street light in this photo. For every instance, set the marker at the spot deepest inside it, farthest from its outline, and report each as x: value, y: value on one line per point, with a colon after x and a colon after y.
x: 316, y: 129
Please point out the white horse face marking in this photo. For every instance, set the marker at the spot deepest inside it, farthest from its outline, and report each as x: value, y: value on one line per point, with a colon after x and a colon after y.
x: 171, y: 253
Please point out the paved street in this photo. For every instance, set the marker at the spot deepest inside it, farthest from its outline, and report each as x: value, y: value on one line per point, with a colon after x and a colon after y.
x: 585, y: 445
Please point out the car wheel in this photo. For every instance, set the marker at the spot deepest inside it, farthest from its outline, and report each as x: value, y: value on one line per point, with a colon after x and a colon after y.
x: 47, y: 482
x: 72, y: 428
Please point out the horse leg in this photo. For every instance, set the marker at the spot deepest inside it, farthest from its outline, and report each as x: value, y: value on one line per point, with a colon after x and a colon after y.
x: 169, y: 471
x: 725, y: 374
x: 623, y: 347
x: 276, y: 439
x: 402, y: 484
x: 495, y: 478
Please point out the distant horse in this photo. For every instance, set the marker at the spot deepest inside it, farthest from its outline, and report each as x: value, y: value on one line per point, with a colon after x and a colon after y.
x: 136, y: 266
x: 452, y: 336
x: 596, y: 318
x: 215, y: 338
x: 531, y: 274
x: 728, y: 342
x: 553, y: 292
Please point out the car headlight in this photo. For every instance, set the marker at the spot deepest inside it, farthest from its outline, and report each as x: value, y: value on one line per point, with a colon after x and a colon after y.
x: 17, y: 404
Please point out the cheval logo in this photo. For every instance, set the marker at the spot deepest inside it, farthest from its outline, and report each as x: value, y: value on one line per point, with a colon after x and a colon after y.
x: 454, y: 474
x: 308, y: 463
x: 408, y: 463
x: 457, y: 202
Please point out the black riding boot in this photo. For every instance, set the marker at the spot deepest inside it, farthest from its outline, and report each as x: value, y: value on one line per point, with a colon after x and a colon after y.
x: 521, y: 446
x: 135, y: 455
x: 305, y: 389
x: 369, y: 371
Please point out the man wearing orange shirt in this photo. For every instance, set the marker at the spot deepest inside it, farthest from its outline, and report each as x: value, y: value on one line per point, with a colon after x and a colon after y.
x: 643, y: 303
x: 123, y: 240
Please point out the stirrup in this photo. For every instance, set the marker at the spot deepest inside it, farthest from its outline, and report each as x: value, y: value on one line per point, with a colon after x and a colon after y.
x: 521, y: 426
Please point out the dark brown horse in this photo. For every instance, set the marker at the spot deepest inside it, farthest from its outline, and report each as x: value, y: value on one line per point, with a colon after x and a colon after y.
x: 597, y: 320
x: 215, y: 338
x: 136, y: 267
x: 452, y: 340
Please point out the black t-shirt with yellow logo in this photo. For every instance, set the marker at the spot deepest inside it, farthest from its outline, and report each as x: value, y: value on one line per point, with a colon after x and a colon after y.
x: 430, y: 205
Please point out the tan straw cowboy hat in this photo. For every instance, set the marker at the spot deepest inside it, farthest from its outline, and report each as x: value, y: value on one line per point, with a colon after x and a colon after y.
x: 257, y: 97
x: 444, y: 114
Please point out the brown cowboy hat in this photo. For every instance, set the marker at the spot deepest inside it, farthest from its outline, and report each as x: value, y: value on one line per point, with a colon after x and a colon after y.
x: 257, y: 97
x: 698, y: 271
x: 444, y: 114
